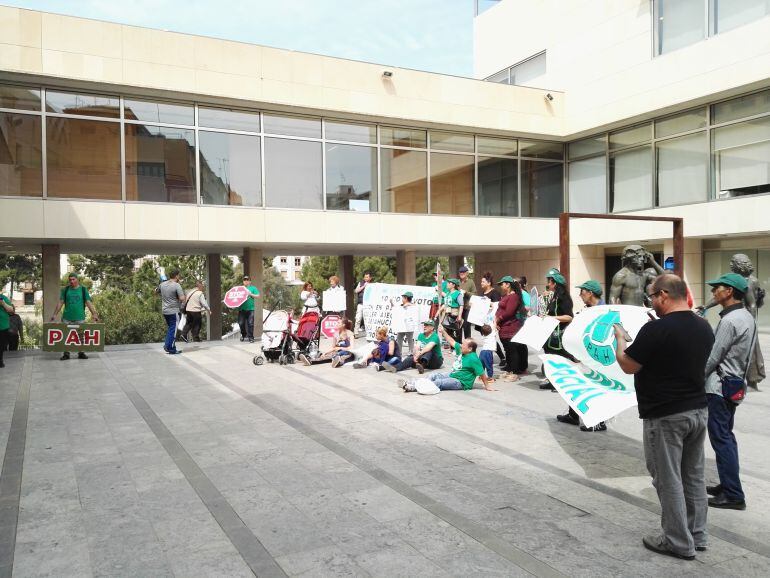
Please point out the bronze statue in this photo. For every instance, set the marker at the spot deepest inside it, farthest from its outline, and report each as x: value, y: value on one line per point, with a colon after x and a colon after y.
x: 753, y: 300
x: 630, y: 283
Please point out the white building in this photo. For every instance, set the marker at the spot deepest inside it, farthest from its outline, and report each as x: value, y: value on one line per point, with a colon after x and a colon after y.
x: 290, y: 268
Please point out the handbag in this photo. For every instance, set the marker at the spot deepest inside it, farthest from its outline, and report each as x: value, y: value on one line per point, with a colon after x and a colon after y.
x: 733, y: 387
x: 449, y: 320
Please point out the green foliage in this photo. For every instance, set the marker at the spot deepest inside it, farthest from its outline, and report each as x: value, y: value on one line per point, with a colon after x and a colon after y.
x: 85, y: 281
x: 317, y: 271
x: 16, y: 269
x: 383, y: 269
x: 191, y: 267
x: 128, y: 318
x: 426, y: 267
x: 109, y: 271
x: 279, y: 295
x: 33, y: 333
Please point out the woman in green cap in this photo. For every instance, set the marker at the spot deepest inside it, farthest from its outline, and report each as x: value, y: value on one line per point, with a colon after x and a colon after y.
x: 560, y: 307
x: 509, y: 320
x: 452, y: 309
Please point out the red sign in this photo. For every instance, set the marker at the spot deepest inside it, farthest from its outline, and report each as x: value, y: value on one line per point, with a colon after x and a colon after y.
x: 330, y: 325
x: 236, y: 297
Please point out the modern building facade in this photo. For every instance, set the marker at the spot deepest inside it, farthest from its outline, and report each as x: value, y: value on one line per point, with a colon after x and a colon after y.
x: 122, y: 139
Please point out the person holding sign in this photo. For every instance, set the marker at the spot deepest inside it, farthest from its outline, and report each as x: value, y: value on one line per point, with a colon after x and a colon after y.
x: 6, y: 310
x: 508, y: 320
x: 340, y: 352
x: 337, y: 290
x: 74, y: 298
x: 560, y: 307
x: 468, y: 288
x: 452, y: 309
x: 406, y: 315
x: 246, y: 311
x: 438, y: 298
x: 358, y: 324
x: 428, y: 354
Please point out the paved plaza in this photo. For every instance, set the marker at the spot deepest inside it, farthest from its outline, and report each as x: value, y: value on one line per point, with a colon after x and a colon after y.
x: 136, y: 463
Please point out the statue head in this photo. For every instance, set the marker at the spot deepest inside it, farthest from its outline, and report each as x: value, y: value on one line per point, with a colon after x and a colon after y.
x: 741, y: 264
x: 634, y: 257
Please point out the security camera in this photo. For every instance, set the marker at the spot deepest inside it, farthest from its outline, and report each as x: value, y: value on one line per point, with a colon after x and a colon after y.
x: 548, y: 97
x: 387, y: 74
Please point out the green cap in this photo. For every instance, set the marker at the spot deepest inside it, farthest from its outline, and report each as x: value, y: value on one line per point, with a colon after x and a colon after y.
x: 593, y: 286
x: 554, y: 274
x: 453, y: 280
x: 429, y: 322
x: 731, y: 280
x: 506, y: 279
x: 408, y: 294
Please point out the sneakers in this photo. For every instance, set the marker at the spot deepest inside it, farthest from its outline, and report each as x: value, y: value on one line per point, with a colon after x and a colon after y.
x: 420, y: 368
x: 409, y: 387
x: 82, y: 355
x: 401, y: 383
x: 336, y: 361
x: 658, y: 545
x: 65, y: 356
x: 303, y: 358
x: 567, y: 418
x: 378, y: 367
x: 388, y: 367
x: 601, y: 426
x: 359, y: 365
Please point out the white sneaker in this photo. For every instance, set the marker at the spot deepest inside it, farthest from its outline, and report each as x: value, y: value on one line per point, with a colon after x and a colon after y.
x: 409, y: 387
x: 336, y: 362
x: 303, y: 358
x: 401, y: 383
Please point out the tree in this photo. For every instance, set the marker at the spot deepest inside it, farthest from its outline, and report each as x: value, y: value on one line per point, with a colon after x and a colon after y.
x: 426, y: 267
x: 108, y: 271
x: 277, y: 294
x: 317, y: 271
x: 383, y: 269
x: 15, y: 269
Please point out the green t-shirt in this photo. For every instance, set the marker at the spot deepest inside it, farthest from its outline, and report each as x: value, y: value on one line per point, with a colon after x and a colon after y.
x: 423, y: 339
x: 248, y: 305
x: 453, y: 299
x: 443, y: 290
x: 74, y: 302
x: 5, y: 322
x: 466, y: 368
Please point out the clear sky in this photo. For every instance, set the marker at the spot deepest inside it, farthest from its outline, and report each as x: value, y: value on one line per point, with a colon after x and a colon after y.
x: 433, y: 35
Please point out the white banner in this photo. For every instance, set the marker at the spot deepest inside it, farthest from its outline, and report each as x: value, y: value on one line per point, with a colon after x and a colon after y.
x: 535, y: 331
x: 404, y: 319
x: 378, y: 308
x: 479, y: 309
x: 334, y: 300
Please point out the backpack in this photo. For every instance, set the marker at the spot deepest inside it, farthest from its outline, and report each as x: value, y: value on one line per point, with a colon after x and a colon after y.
x: 82, y: 293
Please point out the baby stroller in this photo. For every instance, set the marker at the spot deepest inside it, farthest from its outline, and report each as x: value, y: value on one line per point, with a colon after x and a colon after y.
x: 279, y: 344
x: 275, y: 328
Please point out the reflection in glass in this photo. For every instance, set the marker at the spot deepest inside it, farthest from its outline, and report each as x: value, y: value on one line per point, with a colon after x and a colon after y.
x: 742, y: 158
x: 293, y: 174
x: 160, y: 164
x: 19, y: 98
x: 680, y: 23
x: 588, y: 185
x: 21, y: 156
x: 404, y: 181
x: 364, y: 133
x: 498, y: 187
x: 448, y: 141
x: 488, y: 145
x: 683, y: 170
x: 228, y: 119
x: 163, y: 112
x: 451, y: 184
x: 631, y: 136
x: 403, y: 137
x: 351, y: 178
x: 292, y: 125
x: 230, y: 169
x: 588, y: 146
x: 542, y: 189
x: 83, y: 104
x: 631, y: 180
x: 83, y: 158
x: 741, y: 107
x: 541, y: 150
x: 729, y: 14
x: 691, y: 120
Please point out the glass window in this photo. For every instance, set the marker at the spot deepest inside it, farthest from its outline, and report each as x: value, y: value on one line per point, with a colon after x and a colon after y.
x: 683, y: 170
x: 82, y: 104
x: 403, y: 137
x: 588, y: 185
x: 588, y: 146
x: 451, y: 142
x: 502, y: 77
x: 163, y: 112
x: 21, y: 157
x: 737, y: 108
x: 742, y: 158
x: 631, y: 180
x: 19, y: 98
x: 160, y: 164
x: 228, y: 119
x: 680, y: 23
x: 351, y: 177
x: 498, y: 187
x: 687, y: 121
x: 484, y: 5
x: 404, y: 181
x: 83, y: 158
x: 293, y: 174
x: 630, y: 137
x: 292, y: 125
x: 729, y: 14
x: 451, y: 184
x: 526, y: 73
x: 365, y: 133
x: 230, y: 169
x: 541, y: 150
x: 542, y: 189
x: 488, y: 145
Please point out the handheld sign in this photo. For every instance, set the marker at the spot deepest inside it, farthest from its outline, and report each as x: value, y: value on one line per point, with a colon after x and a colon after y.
x: 479, y: 309
x: 334, y: 300
x: 330, y: 325
x: 236, y: 297
x: 72, y: 337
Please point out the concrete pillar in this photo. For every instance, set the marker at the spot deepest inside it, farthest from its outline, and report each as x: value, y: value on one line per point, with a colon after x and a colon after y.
x: 455, y: 262
x: 51, y: 279
x: 406, y: 268
x: 349, y: 281
x: 214, y: 297
x: 252, y: 266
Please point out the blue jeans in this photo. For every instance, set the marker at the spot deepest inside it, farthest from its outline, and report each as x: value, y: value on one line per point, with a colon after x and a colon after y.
x: 720, y: 426
x: 246, y: 323
x: 444, y: 382
x: 487, y: 361
x: 169, y: 344
x: 395, y: 360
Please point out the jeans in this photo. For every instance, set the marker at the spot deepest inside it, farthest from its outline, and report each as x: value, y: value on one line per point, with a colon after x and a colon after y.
x: 428, y: 360
x: 393, y: 360
x: 169, y: 344
x: 673, y: 450
x: 444, y: 382
x: 246, y: 323
x: 720, y: 428
x: 487, y: 361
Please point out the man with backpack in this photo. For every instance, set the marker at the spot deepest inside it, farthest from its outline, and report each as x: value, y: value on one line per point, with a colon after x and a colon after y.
x: 74, y: 298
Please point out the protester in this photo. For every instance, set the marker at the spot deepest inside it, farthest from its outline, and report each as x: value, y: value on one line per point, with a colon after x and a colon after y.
x: 246, y: 311
x: 468, y: 288
x: 6, y: 310
x: 452, y: 309
x: 173, y: 298
x: 74, y: 298
x: 386, y: 350
x: 438, y: 297
x: 559, y: 306
x: 15, y: 332
x: 195, y: 307
x: 508, y: 321
x: 466, y: 368
x: 406, y: 336
x: 340, y: 352
x: 522, y: 353
x: 358, y: 326
x: 488, y: 290
x: 667, y: 359
x: 334, y: 286
x: 309, y: 297
x: 726, y: 370
x: 428, y: 354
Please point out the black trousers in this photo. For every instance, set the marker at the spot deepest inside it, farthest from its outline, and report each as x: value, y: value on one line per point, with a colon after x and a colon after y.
x: 523, y: 357
x: 4, y: 337
x: 512, y: 363
x: 429, y: 360
x: 194, y: 322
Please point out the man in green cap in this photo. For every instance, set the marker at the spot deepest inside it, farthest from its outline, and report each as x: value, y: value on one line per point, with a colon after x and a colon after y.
x: 74, y: 298
x: 6, y: 310
x: 428, y: 354
x: 726, y: 371
x: 560, y: 307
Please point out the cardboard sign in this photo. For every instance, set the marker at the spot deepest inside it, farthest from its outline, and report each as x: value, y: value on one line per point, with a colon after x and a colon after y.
x: 330, y: 325
x: 380, y: 298
x: 404, y: 319
x: 335, y: 300
x: 70, y: 337
x: 480, y: 307
x: 236, y: 297
x: 535, y: 331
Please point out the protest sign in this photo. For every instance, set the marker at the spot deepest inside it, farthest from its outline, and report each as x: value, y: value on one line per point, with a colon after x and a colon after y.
x: 535, y: 331
x: 236, y: 297
x: 71, y: 337
x: 330, y: 326
x: 479, y: 310
x: 404, y: 319
x: 334, y: 300
x: 380, y: 298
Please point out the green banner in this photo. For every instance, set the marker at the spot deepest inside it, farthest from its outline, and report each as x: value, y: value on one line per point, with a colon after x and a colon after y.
x: 73, y: 337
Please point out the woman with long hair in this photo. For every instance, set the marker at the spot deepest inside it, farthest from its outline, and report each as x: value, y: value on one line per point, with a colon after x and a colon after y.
x: 559, y: 306
x: 509, y: 321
